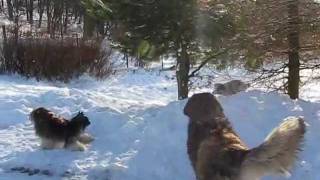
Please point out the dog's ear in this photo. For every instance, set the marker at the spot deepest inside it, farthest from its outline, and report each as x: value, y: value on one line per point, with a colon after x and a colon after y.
x: 203, y: 106
x: 80, y: 113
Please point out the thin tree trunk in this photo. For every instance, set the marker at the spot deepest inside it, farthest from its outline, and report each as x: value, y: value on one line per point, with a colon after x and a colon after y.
x: 31, y: 12
x: 100, y: 27
x: 4, y: 33
x: 10, y: 9
x: 55, y: 18
x: 88, y: 26
x: 16, y: 21
x: 48, y: 16
x: 182, y: 71
x: 162, y: 63
x: 4, y: 49
x: 127, y: 59
x: 27, y: 9
x: 66, y: 19
x: 294, y: 45
x: 41, y: 10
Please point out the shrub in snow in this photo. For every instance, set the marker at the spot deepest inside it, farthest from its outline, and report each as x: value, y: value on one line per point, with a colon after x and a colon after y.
x: 55, y: 59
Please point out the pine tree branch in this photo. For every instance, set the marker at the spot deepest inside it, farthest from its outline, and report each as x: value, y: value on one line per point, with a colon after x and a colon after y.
x: 203, y: 63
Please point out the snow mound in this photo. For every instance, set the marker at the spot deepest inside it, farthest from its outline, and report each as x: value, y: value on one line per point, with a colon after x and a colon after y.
x: 140, y: 129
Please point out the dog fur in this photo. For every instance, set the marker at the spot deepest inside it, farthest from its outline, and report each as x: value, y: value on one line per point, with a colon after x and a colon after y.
x: 57, y: 132
x: 230, y: 88
x: 217, y: 153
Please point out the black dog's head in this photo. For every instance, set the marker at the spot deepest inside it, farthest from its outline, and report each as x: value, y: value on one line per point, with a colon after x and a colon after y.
x: 81, y: 119
x: 204, y: 108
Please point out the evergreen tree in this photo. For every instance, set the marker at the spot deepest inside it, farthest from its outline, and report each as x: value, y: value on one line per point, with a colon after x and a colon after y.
x: 282, y: 29
x: 185, y: 29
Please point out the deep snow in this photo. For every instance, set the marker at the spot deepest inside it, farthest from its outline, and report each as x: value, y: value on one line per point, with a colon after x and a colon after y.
x: 139, y: 127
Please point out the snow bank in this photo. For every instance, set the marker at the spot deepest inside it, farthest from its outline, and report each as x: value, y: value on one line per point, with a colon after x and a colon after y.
x: 139, y: 128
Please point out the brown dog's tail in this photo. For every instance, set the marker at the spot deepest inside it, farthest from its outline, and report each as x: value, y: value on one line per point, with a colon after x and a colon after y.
x: 279, y: 151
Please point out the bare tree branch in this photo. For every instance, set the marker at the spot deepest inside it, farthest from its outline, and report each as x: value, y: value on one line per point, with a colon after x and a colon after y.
x: 203, y: 63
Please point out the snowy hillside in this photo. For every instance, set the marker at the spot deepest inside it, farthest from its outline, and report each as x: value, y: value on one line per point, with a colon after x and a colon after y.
x: 139, y: 128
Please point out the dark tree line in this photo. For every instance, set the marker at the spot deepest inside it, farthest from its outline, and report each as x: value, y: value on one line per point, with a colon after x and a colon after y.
x: 56, y: 16
x: 47, y: 39
x: 195, y: 32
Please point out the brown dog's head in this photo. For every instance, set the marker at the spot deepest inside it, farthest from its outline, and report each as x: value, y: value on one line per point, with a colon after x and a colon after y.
x: 40, y: 113
x: 43, y: 116
x: 203, y: 108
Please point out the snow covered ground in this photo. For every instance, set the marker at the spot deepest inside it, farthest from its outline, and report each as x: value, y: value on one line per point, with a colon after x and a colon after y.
x: 139, y: 127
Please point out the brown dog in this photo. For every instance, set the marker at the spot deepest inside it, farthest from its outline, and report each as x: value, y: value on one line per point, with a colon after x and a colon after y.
x: 217, y: 153
x: 57, y: 132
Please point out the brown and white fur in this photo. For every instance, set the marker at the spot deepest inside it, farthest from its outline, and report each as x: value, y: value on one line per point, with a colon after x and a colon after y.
x: 216, y: 151
x: 57, y: 132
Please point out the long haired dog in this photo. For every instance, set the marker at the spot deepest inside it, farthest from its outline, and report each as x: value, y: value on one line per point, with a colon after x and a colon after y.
x: 217, y: 153
x: 230, y: 88
x: 57, y: 132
